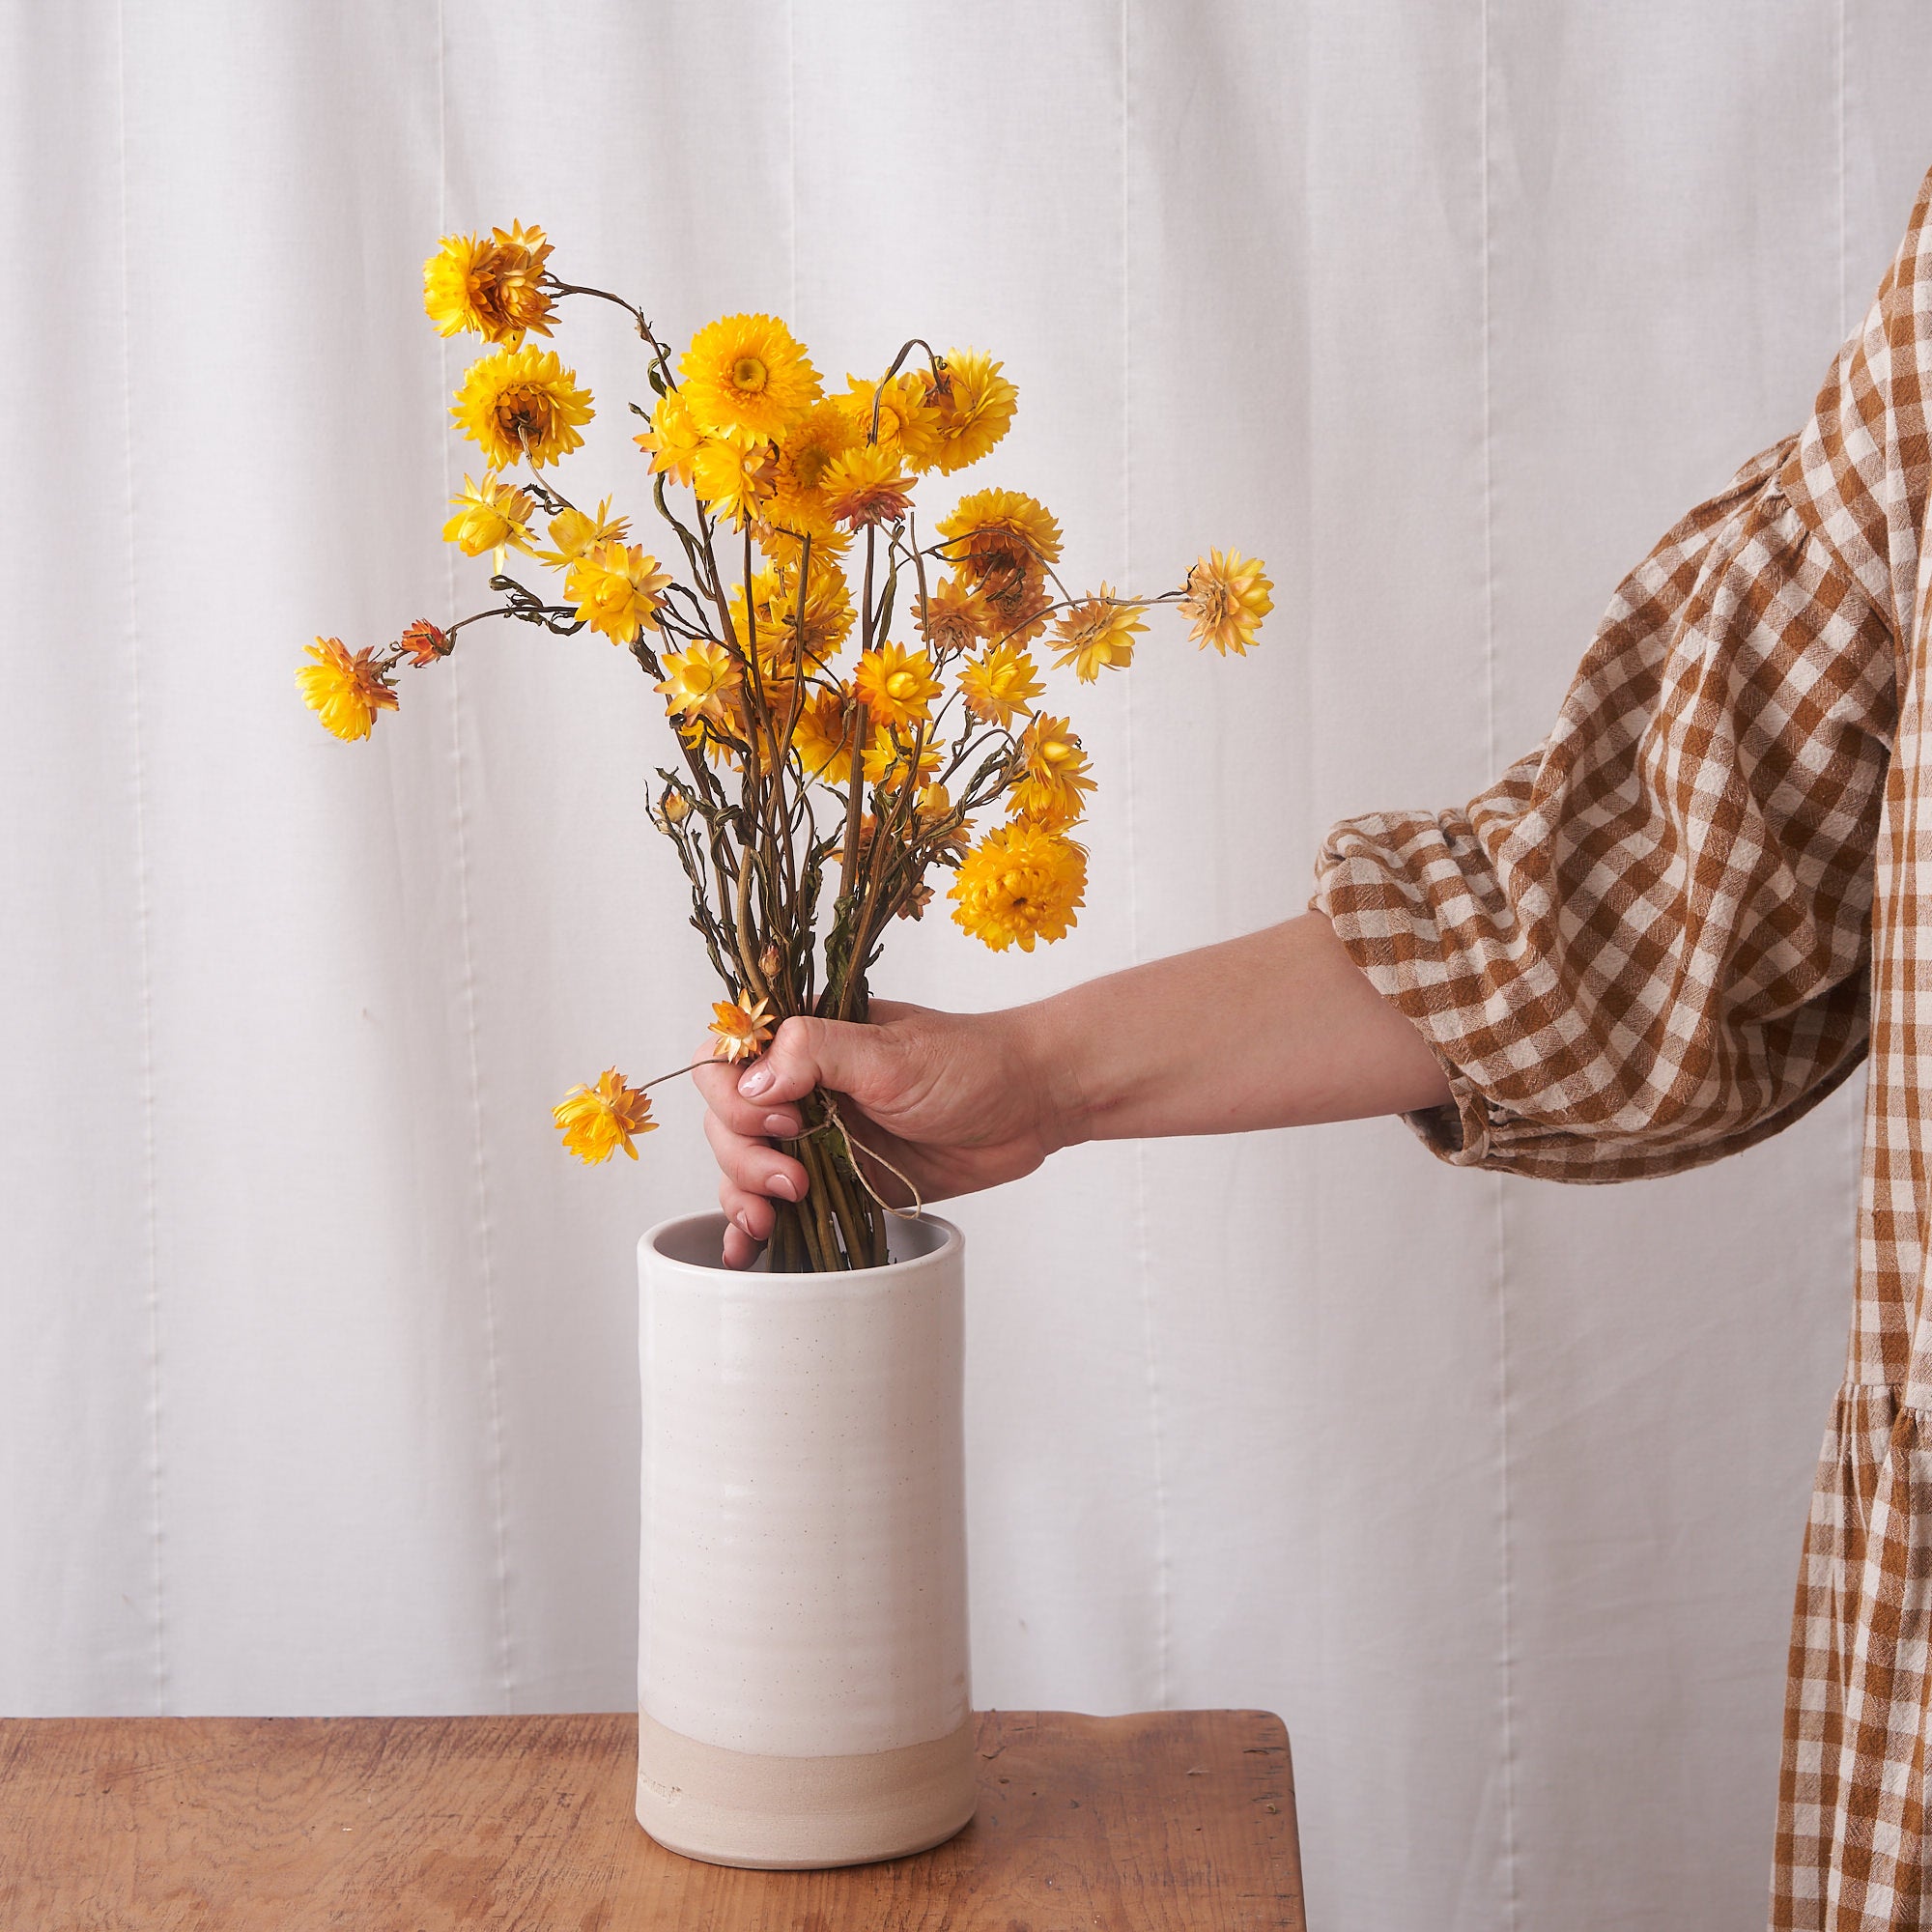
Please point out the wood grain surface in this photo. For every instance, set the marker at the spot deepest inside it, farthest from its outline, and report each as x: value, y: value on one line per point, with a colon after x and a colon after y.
x: 1178, y: 1821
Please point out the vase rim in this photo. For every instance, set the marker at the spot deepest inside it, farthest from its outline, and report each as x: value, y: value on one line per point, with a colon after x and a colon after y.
x: 707, y: 1231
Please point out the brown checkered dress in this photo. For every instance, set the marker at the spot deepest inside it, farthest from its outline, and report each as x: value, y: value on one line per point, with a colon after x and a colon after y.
x: 1680, y: 923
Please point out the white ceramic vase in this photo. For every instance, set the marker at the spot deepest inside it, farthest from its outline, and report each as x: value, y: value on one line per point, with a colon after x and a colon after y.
x: 803, y: 1687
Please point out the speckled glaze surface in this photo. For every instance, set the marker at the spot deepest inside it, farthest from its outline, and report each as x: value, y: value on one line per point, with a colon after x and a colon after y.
x: 802, y: 1671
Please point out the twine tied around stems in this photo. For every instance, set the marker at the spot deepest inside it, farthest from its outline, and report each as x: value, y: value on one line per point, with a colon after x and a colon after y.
x: 834, y: 1119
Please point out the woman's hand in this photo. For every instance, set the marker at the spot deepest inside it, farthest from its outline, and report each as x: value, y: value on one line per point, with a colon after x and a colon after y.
x: 955, y: 1102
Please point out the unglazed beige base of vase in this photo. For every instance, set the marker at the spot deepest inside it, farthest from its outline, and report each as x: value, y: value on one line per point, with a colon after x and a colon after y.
x: 801, y: 1813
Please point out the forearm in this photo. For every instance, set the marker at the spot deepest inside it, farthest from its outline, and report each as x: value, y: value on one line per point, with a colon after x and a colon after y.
x: 1278, y: 1029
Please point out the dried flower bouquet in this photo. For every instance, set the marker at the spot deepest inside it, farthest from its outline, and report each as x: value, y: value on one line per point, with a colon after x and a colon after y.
x: 817, y: 788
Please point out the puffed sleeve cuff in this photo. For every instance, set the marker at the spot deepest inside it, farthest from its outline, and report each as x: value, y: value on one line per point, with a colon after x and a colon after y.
x: 1350, y: 881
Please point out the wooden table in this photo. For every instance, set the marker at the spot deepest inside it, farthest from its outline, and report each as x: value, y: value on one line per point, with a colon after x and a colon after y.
x: 1173, y: 1821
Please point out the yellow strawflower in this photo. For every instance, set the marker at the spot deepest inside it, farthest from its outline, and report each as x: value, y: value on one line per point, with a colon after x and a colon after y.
x: 575, y: 534
x: 1098, y: 635
x: 742, y: 1028
x: 934, y: 808
x: 822, y: 738
x: 489, y: 516
x: 779, y: 547
x: 1000, y: 685
x: 952, y: 619
x: 1019, y: 884
x: 974, y: 404
x: 828, y: 608
x: 907, y: 423
x: 595, y: 1122
x: 868, y: 486
x: 1227, y: 598
x: 1051, y: 794
x: 896, y: 686
x: 747, y: 373
x: 673, y: 440
x: 828, y: 616
x: 618, y: 589
x: 1001, y: 542
x: 888, y: 760
x: 713, y: 734
x: 700, y: 682
x: 492, y: 287
x: 809, y: 448
x: 934, y: 802
x: 734, y: 475
x: 345, y: 689
x: 522, y: 402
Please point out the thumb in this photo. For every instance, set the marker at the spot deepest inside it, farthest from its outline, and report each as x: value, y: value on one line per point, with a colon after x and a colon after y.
x: 807, y: 1052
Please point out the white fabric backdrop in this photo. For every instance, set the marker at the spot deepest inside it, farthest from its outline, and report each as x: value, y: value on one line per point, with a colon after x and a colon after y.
x: 316, y: 1387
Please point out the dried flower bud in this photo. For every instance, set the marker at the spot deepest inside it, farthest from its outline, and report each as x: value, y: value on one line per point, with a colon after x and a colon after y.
x: 425, y: 643
x: 675, y: 806
x: 769, y: 962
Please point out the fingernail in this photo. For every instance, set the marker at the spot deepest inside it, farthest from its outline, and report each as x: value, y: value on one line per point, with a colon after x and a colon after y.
x: 780, y: 1183
x: 781, y: 1124
x: 754, y: 1080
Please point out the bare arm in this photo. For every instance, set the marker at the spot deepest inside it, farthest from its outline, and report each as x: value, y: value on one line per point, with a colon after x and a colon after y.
x: 1278, y: 1029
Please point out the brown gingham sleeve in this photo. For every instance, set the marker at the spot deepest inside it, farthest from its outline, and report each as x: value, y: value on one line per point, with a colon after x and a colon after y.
x: 1646, y: 945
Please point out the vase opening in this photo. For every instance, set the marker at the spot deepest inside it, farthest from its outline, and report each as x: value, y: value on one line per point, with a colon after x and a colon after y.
x: 697, y: 1240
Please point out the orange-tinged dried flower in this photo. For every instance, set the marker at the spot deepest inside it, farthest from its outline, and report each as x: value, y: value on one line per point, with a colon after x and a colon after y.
x: 492, y: 287
x: 742, y: 1028
x: 595, y: 1122
x: 1018, y: 885
x: 425, y: 643
x: 1051, y: 794
x: 953, y: 617
x: 618, y: 589
x: 522, y: 402
x: 1228, y: 596
x: 700, y: 682
x: 1001, y: 542
x: 673, y: 440
x: 734, y: 476
x: 489, y: 516
x: 897, y: 416
x: 345, y: 689
x: 1098, y: 635
x: 747, y: 373
x: 1000, y: 685
x: 973, y: 404
x: 868, y: 486
x: 896, y: 686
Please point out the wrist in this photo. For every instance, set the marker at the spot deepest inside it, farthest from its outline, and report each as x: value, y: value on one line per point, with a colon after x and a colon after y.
x: 1050, y: 1069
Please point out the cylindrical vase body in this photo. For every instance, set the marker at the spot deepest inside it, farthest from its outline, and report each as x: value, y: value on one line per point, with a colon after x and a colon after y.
x: 803, y: 1683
